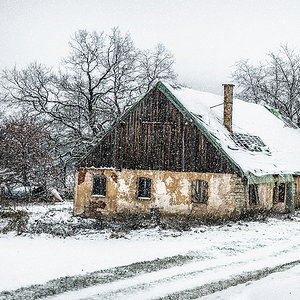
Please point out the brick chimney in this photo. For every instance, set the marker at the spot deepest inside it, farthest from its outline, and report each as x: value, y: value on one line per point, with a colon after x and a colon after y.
x: 228, y: 98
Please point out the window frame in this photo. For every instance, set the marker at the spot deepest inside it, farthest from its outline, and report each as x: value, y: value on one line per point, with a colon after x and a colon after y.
x: 102, y: 186
x: 275, y: 193
x: 253, y: 194
x: 279, y: 192
x: 143, y: 188
x: 282, y: 193
x: 199, y: 191
x: 294, y: 189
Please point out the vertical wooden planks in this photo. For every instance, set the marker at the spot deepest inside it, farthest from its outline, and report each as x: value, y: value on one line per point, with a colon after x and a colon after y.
x: 155, y: 135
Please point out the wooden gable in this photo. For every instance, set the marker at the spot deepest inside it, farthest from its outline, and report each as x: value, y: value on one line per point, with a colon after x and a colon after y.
x: 155, y: 135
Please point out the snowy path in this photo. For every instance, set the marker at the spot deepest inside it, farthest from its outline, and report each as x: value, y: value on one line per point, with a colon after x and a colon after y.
x: 173, y: 278
x: 151, y: 264
x: 191, y: 280
x: 277, y: 286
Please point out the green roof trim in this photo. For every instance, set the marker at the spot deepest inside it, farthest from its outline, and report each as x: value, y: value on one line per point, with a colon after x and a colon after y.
x: 273, y: 111
x: 282, y: 178
x: 253, y: 179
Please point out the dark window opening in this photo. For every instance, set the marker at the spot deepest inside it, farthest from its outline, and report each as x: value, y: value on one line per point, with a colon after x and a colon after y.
x: 99, y: 186
x: 144, y: 188
x: 253, y: 194
x: 275, y: 193
x: 281, y: 192
x: 199, y: 191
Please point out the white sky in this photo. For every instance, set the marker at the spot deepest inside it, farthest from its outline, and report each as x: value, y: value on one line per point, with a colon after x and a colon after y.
x: 206, y: 36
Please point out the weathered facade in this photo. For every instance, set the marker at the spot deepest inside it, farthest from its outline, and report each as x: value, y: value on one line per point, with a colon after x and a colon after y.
x: 296, y: 191
x: 171, y: 193
x: 155, y: 135
x: 157, y: 157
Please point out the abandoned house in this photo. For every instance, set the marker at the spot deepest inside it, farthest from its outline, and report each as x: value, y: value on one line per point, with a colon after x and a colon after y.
x: 182, y: 151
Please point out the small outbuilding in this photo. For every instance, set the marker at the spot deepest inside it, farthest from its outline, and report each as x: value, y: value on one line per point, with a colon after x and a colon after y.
x: 182, y: 151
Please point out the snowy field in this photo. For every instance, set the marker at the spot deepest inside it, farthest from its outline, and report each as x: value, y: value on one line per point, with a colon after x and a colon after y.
x: 244, y: 260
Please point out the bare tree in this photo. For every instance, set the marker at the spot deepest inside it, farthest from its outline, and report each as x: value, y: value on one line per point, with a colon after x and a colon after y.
x: 36, y: 90
x: 276, y: 82
x: 101, y: 77
x: 157, y: 64
x: 106, y: 73
x: 24, y: 160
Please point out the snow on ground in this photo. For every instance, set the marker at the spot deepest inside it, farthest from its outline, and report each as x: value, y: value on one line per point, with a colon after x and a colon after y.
x: 192, y: 263
x: 31, y: 260
x: 278, y: 286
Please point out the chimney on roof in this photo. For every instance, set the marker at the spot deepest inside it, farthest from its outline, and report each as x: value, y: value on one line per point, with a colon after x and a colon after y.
x: 228, y: 99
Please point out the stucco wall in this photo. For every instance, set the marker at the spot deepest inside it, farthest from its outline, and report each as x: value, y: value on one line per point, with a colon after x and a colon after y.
x: 265, y: 193
x: 170, y: 192
x: 266, y: 197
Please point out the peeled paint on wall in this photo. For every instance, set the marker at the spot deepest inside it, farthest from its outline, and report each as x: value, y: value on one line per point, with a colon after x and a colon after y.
x: 123, y: 187
x: 123, y: 193
x: 169, y: 180
x: 185, y: 187
x: 81, y: 176
x: 219, y: 189
x: 161, y: 196
x: 171, y: 193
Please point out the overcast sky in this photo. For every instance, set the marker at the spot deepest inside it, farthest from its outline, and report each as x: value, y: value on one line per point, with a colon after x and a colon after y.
x: 206, y: 36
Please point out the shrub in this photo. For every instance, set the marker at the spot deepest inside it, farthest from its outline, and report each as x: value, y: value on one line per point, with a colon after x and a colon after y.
x: 17, y: 220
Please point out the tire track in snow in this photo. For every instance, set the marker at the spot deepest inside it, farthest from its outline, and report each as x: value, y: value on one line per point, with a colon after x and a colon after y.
x: 192, y: 277
x: 71, y: 283
x: 132, y: 281
x: 156, y: 289
x: 213, y: 287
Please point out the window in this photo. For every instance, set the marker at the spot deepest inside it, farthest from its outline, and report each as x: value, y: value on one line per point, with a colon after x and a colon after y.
x: 294, y: 189
x: 248, y: 142
x: 199, y: 191
x: 143, y: 188
x: 253, y: 194
x: 99, y: 186
x: 279, y: 192
x: 275, y: 193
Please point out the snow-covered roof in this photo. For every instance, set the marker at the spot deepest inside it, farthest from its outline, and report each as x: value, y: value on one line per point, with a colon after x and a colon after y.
x: 281, y: 153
